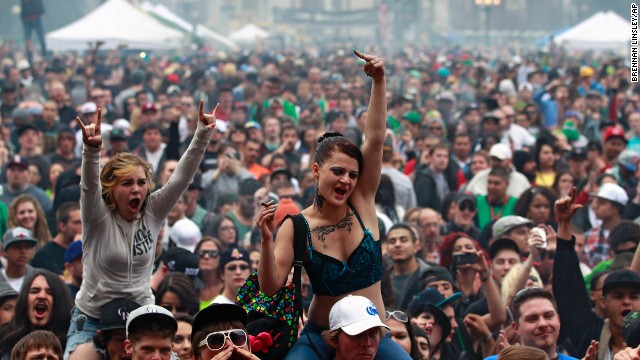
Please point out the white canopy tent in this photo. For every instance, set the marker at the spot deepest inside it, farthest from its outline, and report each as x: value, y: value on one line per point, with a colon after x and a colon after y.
x: 248, y: 34
x: 601, y: 31
x: 116, y: 23
x: 202, y: 31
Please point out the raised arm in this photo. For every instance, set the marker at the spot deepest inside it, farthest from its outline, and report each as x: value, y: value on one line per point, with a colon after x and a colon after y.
x: 374, y: 128
x: 571, y: 296
x: 162, y: 201
x: 92, y: 207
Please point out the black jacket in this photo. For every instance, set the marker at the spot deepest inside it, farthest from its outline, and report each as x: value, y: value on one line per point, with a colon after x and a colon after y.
x: 577, y: 320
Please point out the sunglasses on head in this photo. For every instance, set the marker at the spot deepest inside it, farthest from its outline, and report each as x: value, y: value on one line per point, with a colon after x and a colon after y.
x: 235, y: 267
x: 216, y: 340
x: 211, y: 253
x: 398, y: 315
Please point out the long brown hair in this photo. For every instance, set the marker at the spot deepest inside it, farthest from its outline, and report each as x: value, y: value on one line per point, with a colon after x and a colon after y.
x: 40, y: 229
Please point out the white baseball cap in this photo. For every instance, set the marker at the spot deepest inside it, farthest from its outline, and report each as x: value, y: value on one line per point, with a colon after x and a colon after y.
x: 88, y: 108
x: 613, y: 192
x: 354, y: 314
x: 500, y: 151
x: 186, y: 234
x: 149, y: 312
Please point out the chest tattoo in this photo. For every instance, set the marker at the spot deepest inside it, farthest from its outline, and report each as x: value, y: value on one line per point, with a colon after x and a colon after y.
x: 322, y: 231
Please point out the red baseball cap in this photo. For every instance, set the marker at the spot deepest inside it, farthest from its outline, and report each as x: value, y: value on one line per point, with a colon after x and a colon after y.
x: 612, y: 132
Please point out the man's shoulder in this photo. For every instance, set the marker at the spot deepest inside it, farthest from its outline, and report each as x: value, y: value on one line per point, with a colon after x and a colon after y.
x: 566, y: 357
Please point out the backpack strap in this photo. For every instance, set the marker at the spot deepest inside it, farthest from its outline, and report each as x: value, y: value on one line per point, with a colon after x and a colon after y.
x: 299, y: 236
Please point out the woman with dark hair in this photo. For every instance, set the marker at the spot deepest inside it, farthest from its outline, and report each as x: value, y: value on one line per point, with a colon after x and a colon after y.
x: 121, y: 220
x: 43, y: 304
x: 563, y: 183
x: 222, y: 228
x: 182, y: 341
x: 401, y: 331
x: 536, y: 204
x: 545, y: 157
x: 344, y: 254
x: 177, y: 293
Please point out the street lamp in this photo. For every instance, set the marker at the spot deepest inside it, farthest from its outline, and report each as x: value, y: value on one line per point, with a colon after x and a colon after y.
x: 486, y: 6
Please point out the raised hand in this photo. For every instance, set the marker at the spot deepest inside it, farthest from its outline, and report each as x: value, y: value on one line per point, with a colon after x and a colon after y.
x: 266, y: 220
x: 476, y: 326
x: 374, y: 67
x: 91, y: 134
x: 566, y: 207
x: 592, y: 351
x: 208, y: 120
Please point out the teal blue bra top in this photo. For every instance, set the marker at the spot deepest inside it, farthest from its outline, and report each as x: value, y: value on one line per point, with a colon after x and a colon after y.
x: 332, y: 277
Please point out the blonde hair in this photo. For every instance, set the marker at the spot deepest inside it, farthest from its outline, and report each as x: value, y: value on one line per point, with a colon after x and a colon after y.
x: 40, y: 229
x: 518, y: 352
x: 509, y: 282
x: 121, y: 165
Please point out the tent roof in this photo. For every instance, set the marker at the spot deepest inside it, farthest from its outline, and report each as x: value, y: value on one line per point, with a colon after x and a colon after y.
x: 166, y: 14
x: 116, y: 22
x: 600, y: 31
x: 248, y: 33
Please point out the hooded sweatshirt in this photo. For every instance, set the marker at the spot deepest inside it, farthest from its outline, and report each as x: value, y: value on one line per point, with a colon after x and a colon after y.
x: 118, y: 255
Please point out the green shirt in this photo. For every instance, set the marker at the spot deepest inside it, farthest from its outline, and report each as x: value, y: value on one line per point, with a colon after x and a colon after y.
x: 487, y: 213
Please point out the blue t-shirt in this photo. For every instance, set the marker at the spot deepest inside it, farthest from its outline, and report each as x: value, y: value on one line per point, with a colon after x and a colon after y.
x: 560, y: 357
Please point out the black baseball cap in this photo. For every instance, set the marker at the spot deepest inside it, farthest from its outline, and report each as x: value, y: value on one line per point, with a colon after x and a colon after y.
x: 114, y: 314
x: 578, y: 153
x: 437, y: 273
x: 182, y: 261
x: 462, y: 197
x: 218, y: 312
x: 623, y: 278
x: 503, y: 244
x: 427, y: 301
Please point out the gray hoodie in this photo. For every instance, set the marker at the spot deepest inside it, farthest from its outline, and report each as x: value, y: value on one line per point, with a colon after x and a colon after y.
x: 118, y: 255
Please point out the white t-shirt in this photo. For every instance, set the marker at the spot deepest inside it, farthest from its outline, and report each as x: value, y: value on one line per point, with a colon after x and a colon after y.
x: 16, y: 283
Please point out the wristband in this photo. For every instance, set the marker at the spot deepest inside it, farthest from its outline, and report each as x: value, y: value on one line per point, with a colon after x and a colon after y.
x: 489, y: 337
x: 488, y: 276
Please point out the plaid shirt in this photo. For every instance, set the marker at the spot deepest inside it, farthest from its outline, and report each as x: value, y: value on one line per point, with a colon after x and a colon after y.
x: 596, y: 248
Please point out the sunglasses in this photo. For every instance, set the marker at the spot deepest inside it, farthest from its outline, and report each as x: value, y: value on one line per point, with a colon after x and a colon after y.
x: 398, y: 315
x: 235, y: 267
x: 216, y: 340
x: 464, y: 206
x: 211, y: 253
x: 175, y: 309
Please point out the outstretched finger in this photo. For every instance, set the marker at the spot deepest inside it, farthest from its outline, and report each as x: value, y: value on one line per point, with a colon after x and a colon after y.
x: 574, y: 195
x: 358, y: 54
x: 215, y: 111
x: 99, y: 121
x: 201, y: 109
x: 81, y: 124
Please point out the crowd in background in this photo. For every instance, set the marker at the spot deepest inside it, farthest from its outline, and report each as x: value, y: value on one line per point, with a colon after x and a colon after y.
x: 478, y: 149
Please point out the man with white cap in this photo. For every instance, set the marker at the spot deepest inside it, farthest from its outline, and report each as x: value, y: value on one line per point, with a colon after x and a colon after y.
x: 501, y: 156
x: 150, y: 333
x: 608, y: 204
x: 355, y: 328
x: 89, y: 115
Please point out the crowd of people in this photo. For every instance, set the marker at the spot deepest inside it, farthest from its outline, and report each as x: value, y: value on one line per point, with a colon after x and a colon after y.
x: 456, y: 205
